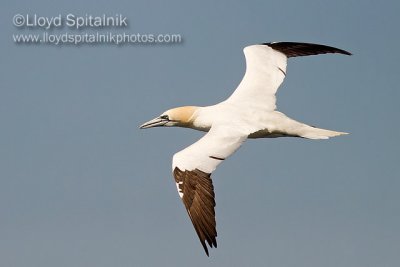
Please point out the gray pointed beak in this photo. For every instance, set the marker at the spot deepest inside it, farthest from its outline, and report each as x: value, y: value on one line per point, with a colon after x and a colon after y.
x: 154, y: 123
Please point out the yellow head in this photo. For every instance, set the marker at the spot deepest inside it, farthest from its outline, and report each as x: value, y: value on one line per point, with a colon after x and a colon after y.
x: 182, y: 117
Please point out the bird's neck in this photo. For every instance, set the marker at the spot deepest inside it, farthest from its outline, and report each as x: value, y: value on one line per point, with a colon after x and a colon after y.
x: 202, y: 119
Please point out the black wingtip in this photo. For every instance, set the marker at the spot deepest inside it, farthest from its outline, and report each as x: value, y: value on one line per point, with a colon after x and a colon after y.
x: 294, y: 49
x: 212, y: 244
x: 205, y: 248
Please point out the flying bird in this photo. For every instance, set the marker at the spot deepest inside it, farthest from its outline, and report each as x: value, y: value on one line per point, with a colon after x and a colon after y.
x: 250, y: 112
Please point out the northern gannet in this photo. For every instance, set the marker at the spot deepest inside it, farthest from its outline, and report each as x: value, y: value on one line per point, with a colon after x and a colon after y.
x: 250, y: 112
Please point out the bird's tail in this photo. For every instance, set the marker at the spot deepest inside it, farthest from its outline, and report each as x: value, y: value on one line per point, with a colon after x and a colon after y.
x: 318, y: 133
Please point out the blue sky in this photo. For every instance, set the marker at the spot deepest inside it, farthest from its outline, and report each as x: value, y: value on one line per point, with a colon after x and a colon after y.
x: 81, y: 185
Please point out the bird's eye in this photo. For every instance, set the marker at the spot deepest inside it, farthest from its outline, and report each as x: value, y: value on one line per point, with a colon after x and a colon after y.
x: 164, y: 117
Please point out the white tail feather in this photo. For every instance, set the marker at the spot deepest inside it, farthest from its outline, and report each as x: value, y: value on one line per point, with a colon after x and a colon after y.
x: 317, y: 133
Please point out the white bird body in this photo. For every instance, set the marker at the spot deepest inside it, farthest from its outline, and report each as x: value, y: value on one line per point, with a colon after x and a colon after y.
x: 250, y: 112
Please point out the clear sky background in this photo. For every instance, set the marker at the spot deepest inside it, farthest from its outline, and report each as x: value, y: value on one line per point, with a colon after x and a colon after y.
x: 81, y: 185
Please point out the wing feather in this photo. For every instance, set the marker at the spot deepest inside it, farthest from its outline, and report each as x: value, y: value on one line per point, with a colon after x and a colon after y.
x: 266, y: 70
x: 192, y: 169
x: 198, y: 198
x: 293, y: 49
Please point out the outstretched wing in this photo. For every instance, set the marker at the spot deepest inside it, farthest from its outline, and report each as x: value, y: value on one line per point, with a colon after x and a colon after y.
x: 266, y: 70
x: 192, y: 168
